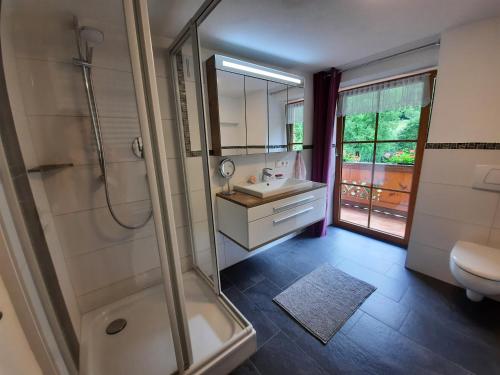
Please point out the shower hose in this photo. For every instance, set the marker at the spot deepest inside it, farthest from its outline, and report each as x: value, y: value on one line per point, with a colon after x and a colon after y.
x: 96, y: 127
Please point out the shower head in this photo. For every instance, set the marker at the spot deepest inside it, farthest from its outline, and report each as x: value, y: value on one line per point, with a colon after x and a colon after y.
x: 87, y: 38
x: 91, y: 36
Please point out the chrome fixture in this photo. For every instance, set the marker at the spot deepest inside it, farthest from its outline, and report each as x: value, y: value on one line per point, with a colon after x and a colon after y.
x: 116, y: 326
x: 138, y: 147
x: 86, y: 39
x: 266, y: 174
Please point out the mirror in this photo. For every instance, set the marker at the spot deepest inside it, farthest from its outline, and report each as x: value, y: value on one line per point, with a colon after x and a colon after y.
x: 256, y: 114
x: 231, y: 98
x: 277, y: 95
x: 253, y: 109
x: 295, y: 118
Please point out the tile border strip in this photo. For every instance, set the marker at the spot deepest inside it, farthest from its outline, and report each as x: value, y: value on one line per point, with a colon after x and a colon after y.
x: 463, y: 146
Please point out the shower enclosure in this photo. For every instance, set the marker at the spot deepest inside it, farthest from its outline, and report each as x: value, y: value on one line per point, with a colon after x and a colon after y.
x: 114, y: 218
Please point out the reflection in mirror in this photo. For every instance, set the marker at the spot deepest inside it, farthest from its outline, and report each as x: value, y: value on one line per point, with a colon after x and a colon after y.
x: 231, y: 97
x: 295, y: 118
x: 277, y: 100
x: 256, y: 114
x: 196, y: 235
x: 187, y: 92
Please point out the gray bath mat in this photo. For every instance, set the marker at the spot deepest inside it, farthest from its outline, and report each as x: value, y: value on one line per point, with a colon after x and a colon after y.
x: 323, y: 300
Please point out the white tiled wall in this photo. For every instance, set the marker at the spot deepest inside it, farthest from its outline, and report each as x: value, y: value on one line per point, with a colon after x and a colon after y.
x: 448, y: 209
x: 96, y: 260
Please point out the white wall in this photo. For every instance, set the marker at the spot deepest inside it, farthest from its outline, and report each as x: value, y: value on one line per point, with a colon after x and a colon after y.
x: 466, y: 109
x: 96, y: 260
x: 16, y: 356
x: 405, y: 63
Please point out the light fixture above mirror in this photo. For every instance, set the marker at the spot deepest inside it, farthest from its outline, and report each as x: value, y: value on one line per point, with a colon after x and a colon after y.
x: 258, y: 71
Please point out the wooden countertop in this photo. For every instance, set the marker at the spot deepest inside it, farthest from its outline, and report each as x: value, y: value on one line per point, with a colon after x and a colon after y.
x: 249, y: 201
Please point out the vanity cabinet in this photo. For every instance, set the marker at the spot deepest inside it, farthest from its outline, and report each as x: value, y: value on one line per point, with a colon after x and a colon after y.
x: 251, y: 113
x: 252, y: 222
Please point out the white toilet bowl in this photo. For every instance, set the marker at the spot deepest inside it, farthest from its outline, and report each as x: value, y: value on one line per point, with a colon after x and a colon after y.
x: 476, y: 268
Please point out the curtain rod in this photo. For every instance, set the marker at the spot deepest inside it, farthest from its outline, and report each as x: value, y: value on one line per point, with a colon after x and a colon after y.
x: 390, y: 78
x: 433, y: 44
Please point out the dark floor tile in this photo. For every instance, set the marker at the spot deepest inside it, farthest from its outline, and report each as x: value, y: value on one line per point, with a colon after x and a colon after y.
x: 438, y: 300
x: 247, y: 368
x: 442, y: 321
x: 342, y: 356
x: 447, y: 339
x: 304, y: 258
x: 225, y: 283
x: 374, y: 263
x: 274, y: 270
x: 264, y: 327
x: 403, y: 274
x: 262, y: 295
x: 357, y: 245
x: 243, y: 275
x: 385, y: 309
x: 388, y: 287
x: 352, y: 321
x: 399, y: 351
x: 280, y: 355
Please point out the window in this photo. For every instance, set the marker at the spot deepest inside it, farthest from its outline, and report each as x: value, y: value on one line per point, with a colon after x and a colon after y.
x: 295, y: 125
x: 380, y: 140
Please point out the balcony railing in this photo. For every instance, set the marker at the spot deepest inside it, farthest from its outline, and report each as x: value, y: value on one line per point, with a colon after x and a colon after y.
x: 390, y: 191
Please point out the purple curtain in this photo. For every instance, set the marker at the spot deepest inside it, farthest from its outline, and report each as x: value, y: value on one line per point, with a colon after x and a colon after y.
x: 326, y: 92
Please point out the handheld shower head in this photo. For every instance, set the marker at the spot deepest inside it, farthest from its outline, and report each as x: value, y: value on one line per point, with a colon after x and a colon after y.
x: 91, y: 36
x: 88, y: 38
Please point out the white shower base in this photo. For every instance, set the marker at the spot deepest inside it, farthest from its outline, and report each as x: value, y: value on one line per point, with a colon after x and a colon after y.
x: 145, y: 345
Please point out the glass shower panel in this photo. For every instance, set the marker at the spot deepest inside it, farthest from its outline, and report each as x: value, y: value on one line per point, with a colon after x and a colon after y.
x: 100, y: 195
x: 91, y: 183
x: 195, y: 168
x: 211, y: 326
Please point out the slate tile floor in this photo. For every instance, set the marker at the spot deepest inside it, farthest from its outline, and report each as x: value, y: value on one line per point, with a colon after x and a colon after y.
x: 412, y: 324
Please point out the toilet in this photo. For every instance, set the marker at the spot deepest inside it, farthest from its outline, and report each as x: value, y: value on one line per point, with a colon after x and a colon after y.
x: 477, y: 269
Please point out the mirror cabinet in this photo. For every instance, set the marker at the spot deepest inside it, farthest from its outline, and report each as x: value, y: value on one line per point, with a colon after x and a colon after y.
x: 253, y: 109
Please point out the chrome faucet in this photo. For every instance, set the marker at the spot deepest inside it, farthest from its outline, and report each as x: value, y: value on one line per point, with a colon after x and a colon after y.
x: 266, y: 174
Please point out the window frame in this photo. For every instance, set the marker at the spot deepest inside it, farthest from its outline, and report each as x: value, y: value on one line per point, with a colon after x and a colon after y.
x: 425, y: 115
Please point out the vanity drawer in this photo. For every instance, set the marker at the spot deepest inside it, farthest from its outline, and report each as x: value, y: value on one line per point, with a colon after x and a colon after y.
x: 272, y: 227
x: 285, y: 204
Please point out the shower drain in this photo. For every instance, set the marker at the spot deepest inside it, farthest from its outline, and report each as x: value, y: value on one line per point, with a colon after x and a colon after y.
x: 116, y: 326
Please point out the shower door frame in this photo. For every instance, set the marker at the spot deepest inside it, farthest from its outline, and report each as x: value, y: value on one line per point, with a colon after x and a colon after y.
x: 191, y: 31
x: 137, y: 18
x: 146, y: 90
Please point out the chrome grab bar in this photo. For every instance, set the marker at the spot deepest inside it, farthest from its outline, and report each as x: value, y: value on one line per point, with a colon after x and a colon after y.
x: 277, y: 221
x: 293, y: 204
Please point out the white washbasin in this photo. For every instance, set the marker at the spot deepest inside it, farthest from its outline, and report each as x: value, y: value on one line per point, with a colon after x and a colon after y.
x: 273, y: 187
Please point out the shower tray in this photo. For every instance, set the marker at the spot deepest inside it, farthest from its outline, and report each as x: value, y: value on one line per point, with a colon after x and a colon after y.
x: 219, y: 341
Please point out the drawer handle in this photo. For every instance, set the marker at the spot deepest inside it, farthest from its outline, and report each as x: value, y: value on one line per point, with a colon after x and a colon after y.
x: 277, y: 221
x: 293, y: 204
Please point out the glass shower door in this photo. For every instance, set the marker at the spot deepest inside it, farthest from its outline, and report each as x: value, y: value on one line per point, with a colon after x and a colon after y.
x: 194, y: 158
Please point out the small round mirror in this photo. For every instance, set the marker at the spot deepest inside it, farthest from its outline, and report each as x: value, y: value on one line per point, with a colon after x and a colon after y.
x: 226, y: 168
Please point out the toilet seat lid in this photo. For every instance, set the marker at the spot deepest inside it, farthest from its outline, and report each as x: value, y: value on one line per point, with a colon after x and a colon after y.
x: 479, y: 260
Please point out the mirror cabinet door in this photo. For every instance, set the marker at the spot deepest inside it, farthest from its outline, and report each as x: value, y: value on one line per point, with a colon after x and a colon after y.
x: 295, y: 118
x: 231, y: 98
x: 277, y: 94
x: 256, y: 115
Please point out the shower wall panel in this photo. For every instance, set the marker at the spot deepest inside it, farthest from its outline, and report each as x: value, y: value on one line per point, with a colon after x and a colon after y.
x: 103, y: 262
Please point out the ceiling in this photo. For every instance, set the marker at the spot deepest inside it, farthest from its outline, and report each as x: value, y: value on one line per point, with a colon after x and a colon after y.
x: 311, y: 35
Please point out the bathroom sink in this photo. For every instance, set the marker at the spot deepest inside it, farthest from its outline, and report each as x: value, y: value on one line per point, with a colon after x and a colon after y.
x: 273, y: 187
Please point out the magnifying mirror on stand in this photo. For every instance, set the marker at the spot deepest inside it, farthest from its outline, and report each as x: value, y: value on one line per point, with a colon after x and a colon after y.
x: 226, y: 170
